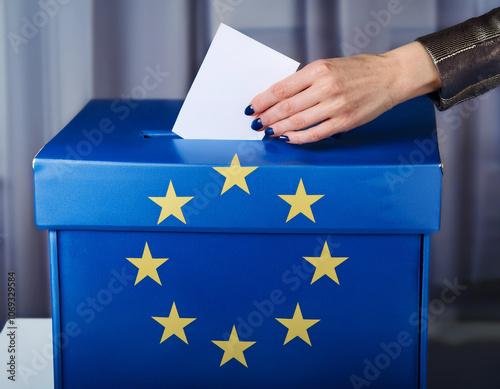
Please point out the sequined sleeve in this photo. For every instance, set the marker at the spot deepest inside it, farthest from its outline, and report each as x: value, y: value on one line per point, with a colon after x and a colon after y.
x: 467, y: 58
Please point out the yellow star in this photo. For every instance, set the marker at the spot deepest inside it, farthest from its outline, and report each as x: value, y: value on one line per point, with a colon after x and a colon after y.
x: 325, y: 264
x: 297, y: 326
x: 147, y: 265
x: 174, y: 325
x: 301, y: 202
x: 235, y: 175
x: 171, y: 204
x: 233, y: 348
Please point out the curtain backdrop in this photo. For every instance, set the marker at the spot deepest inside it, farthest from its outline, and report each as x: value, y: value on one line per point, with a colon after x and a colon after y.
x: 51, y: 65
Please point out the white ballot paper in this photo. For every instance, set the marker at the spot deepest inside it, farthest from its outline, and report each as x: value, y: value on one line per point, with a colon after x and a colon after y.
x: 235, y: 69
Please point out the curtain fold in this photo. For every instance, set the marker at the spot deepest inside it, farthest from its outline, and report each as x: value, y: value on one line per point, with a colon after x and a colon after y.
x: 322, y: 30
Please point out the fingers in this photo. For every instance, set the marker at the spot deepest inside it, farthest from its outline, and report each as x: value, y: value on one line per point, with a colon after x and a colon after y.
x: 289, y: 107
x: 280, y: 91
x: 302, y: 119
x: 321, y: 131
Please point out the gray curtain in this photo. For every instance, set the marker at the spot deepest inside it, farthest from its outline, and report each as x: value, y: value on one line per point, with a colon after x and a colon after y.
x: 45, y: 78
x: 101, y: 49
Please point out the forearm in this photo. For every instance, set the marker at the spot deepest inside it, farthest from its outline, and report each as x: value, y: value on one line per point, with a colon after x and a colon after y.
x: 411, y: 72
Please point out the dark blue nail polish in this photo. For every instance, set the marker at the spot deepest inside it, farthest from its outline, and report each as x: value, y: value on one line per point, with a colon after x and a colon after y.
x: 284, y: 138
x: 257, y: 124
x: 249, y: 111
x: 269, y: 131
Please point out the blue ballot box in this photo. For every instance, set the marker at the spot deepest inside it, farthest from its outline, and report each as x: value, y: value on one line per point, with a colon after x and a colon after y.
x: 238, y: 264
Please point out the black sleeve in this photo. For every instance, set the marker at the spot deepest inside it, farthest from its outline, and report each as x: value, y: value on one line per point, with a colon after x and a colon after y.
x: 467, y: 58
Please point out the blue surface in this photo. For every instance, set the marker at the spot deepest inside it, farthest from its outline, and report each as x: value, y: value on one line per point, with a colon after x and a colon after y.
x: 56, y: 309
x: 383, y: 177
x: 381, y: 187
x: 424, y: 303
x: 216, y: 278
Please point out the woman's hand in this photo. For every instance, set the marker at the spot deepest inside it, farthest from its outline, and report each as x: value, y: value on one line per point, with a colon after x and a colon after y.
x: 342, y: 93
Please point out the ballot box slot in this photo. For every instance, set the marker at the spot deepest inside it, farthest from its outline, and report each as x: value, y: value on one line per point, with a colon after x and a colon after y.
x: 152, y: 134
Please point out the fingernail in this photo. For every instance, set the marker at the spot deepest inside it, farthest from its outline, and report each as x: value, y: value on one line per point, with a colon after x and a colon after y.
x: 284, y: 138
x: 269, y: 131
x: 249, y: 111
x: 257, y: 124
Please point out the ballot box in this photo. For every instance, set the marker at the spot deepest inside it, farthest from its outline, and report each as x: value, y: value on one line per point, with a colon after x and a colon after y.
x: 238, y: 264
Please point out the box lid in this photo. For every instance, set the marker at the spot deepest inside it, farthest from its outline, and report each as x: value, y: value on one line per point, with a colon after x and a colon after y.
x: 118, y: 166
